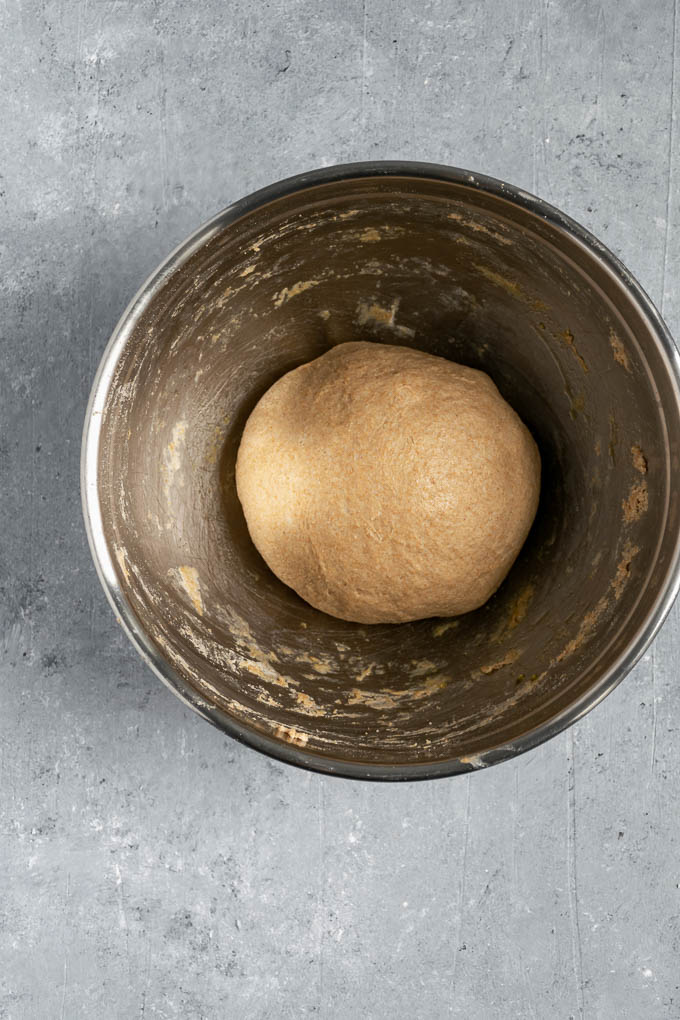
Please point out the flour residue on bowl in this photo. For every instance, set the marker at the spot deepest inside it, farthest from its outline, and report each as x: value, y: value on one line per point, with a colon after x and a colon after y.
x: 190, y: 581
x: 365, y: 673
x: 171, y: 467
x: 510, y: 286
x: 442, y: 628
x: 287, y: 293
x: 478, y: 228
x: 371, y: 312
x: 386, y: 698
x: 122, y: 563
x: 217, y: 443
x: 307, y: 705
x: 592, y: 618
x: 422, y: 667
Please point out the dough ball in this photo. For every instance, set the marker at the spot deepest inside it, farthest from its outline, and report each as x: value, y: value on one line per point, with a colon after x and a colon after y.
x: 384, y: 484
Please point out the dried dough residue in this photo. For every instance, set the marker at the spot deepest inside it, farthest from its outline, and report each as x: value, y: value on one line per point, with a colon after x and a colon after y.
x: 479, y: 228
x: 290, y: 292
x: 215, y: 448
x: 253, y: 658
x: 266, y: 699
x: 619, y: 351
x: 517, y: 611
x: 191, y: 584
x: 578, y: 404
x: 587, y: 627
x: 508, y: 285
x: 442, y: 628
x: 386, y: 699
x: 263, y: 670
x: 570, y: 341
x: 122, y: 563
x: 623, y: 569
x: 374, y: 314
x: 307, y: 704
x: 475, y: 760
x: 613, y: 438
x: 639, y: 460
x: 292, y: 735
x: 637, y: 502
x: 321, y: 666
x: 422, y: 668
x: 172, y: 460
x: 369, y: 234
x: 507, y: 660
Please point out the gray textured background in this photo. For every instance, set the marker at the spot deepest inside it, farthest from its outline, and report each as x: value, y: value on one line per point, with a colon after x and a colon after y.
x: 149, y: 866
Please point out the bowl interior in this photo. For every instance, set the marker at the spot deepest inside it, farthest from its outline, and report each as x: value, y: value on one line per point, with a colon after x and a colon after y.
x: 463, y: 273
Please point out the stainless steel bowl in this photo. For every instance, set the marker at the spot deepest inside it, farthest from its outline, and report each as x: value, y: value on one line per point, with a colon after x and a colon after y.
x: 448, y: 261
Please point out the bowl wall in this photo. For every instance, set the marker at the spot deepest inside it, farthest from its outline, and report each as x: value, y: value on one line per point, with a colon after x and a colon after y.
x: 465, y: 268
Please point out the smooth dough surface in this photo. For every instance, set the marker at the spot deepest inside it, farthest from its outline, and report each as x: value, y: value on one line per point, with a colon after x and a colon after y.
x: 384, y: 484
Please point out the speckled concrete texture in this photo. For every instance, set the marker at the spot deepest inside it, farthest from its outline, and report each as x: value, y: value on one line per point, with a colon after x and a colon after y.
x: 150, y: 867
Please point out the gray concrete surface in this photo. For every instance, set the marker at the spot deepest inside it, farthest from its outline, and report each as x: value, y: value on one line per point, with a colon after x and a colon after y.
x: 149, y: 866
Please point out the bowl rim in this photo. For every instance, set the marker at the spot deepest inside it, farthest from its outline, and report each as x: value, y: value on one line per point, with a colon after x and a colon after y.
x: 103, y: 558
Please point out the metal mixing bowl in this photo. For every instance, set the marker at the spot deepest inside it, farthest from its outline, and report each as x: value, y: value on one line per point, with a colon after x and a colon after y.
x: 453, y: 263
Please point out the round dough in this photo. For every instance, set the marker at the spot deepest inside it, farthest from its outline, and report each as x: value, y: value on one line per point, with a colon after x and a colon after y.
x: 384, y: 484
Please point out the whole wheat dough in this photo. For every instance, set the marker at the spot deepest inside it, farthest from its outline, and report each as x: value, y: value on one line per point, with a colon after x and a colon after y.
x: 384, y: 484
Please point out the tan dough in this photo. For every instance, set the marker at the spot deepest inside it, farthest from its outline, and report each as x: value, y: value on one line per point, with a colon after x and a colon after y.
x: 384, y: 484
